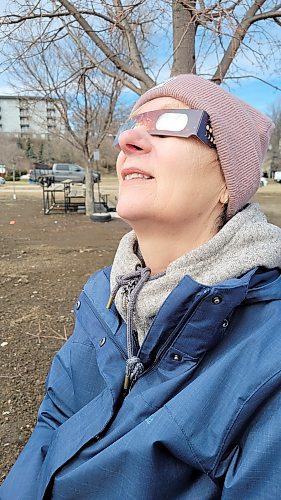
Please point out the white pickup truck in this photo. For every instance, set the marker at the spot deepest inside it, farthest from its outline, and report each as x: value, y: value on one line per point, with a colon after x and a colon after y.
x: 60, y: 172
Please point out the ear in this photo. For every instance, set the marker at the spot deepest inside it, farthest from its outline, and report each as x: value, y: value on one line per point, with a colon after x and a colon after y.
x: 224, y: 197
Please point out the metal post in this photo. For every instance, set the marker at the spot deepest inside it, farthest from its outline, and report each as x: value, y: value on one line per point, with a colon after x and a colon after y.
x: 14, y: 183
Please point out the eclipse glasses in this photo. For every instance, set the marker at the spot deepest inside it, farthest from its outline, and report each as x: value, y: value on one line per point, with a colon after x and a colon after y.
x: 172, y: 123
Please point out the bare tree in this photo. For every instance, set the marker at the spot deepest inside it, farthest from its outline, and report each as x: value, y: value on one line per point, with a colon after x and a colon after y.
x: 275, y: 164
x: 83, y: 52
x: 85, y: 100
x: 11, y: 154
x: 132, y: 40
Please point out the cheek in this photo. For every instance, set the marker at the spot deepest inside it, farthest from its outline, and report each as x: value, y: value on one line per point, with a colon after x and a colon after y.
x: 180, y: 171
x: 190, y: 177
x: 119, y: 164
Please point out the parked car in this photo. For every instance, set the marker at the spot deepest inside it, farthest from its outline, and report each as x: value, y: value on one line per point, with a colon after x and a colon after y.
x: 73, y: 172
x: 2, y: 180
x: 277, y: 176
x: 263, y: 181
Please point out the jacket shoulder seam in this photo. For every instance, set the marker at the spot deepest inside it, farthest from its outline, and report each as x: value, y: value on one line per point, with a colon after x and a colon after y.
x: 88, y: 338
x: 95, y: 275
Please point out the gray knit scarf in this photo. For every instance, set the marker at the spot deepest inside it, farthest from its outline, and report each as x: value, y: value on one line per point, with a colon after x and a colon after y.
x: 246, y: 241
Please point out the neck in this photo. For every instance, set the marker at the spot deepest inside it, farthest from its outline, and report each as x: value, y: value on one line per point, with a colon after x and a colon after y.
x: 162, y: 245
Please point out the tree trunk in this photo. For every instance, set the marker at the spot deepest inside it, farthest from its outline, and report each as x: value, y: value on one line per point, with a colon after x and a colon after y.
x: 184, y: 31
x: 275, y: 150
x: 89, y: 190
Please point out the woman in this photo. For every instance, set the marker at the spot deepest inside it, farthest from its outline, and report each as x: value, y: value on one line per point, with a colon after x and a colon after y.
x: 171, y: 388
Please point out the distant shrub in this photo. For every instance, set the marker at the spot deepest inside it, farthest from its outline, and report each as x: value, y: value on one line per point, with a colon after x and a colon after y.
x: 9, y: 176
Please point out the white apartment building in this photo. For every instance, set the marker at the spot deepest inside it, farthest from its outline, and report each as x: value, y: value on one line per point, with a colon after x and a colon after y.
x: 29, y: 116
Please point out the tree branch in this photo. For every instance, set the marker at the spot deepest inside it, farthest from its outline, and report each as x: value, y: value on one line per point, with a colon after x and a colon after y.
x: 273, y: 14
x: 10, y: 19
x: 133, y: 48
x: 145, y: 81
x: 256, y: 78
x: 97, y: 64
x: 115, y: 91
x: 236, y: 41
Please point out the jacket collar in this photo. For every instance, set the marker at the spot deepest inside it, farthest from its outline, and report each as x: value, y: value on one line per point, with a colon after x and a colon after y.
x: 192, y: 316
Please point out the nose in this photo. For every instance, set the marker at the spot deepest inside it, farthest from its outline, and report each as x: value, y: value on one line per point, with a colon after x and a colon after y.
x: 135, y: 141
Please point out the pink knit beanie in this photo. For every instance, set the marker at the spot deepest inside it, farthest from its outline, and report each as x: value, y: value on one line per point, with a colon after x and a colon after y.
x: 241, y: 132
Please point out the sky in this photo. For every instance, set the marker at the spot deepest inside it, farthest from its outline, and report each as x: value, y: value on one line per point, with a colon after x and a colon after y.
x: 253, y: 91
x: 258, y: 94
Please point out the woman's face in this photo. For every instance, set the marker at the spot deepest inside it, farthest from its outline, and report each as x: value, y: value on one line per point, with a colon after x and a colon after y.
x: 182, y: 177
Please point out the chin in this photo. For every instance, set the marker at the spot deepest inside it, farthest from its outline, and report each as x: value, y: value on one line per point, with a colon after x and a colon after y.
x: 128, y: 213
x: 131, y: 213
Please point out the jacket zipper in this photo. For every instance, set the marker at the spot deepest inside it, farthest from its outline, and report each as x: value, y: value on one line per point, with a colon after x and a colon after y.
x: 127, y: 386
x: 170, y: 339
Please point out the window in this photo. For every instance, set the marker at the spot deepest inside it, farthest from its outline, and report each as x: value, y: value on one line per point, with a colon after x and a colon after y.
x: 63, y: 168
x: 75, y: 168
x: 24, y: 116
x: 24, y: 121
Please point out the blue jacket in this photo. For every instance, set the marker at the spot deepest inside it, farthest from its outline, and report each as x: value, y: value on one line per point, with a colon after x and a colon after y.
x: 202, y: 422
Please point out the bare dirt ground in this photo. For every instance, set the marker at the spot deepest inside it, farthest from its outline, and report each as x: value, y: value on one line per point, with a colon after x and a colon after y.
x: 45, y: 260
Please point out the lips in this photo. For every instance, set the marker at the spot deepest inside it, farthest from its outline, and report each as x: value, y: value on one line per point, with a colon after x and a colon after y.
x: 135, y: 173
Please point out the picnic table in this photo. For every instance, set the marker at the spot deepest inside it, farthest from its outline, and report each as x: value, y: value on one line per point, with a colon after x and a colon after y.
x: 69, y: 196
x: 55, y: 196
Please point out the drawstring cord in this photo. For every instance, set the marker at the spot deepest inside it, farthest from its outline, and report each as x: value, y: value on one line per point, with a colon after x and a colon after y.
x: 135, y: 282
